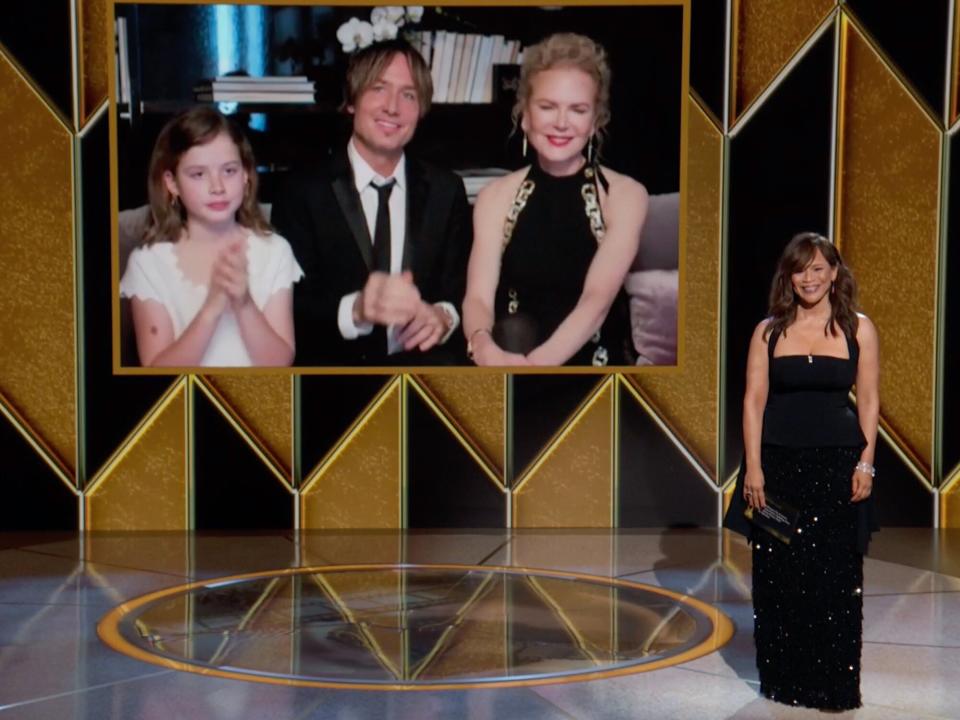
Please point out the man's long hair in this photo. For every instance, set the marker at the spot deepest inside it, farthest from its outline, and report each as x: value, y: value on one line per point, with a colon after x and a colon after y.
x: 368, y: 64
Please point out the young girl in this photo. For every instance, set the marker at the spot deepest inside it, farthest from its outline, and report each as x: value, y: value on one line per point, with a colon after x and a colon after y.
x: 211, y: 285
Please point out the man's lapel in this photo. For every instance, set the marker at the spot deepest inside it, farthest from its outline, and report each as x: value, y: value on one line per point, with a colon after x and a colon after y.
x: 417, y: 192
x: 349, y: 201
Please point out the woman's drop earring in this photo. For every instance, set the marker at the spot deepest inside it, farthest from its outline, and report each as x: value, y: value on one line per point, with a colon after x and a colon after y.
x: 524, y: 144
x: 590, y: 151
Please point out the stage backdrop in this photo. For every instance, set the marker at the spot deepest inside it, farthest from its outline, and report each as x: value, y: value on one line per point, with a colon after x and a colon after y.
x: 806, y: 115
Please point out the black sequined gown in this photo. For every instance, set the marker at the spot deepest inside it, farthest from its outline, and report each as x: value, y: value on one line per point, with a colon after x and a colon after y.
x: 808, y: 595
x: 544, y: 266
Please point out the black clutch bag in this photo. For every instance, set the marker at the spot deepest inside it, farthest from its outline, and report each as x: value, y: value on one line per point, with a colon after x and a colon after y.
x: 776, y: 517
x: 516, y: 333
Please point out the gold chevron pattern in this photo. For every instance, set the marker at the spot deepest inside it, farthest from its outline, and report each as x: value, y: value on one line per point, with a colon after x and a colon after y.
x: 38, y: 376
x: 767, y: 34
x: 891, y: 212
x: 878, y: 111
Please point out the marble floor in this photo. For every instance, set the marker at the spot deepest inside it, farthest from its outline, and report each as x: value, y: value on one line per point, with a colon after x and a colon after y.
x: 54, y: 589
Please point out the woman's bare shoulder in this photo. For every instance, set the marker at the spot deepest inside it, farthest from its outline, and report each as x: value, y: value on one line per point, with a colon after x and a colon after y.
x: 502, y: 189
x: 625, y: 185
x: 760, y: 331
x: 865, y: 328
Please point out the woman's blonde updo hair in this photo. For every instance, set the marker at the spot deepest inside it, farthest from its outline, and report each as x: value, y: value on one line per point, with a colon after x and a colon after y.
x: 567, y: 50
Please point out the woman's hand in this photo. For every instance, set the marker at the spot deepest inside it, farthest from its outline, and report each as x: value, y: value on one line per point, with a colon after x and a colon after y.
x: 862, y: 485
x: 868, y: 405
x: 754, y: 400
x: 216, y: 301
x: 230, y: 274
x: 753, y: 489
x: 486, y: 352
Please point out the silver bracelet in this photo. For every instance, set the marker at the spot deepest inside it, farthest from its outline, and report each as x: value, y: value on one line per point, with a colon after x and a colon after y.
x: 867, y: 468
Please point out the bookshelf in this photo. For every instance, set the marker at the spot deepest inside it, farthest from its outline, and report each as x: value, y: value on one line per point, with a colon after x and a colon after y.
x: 172, y: 48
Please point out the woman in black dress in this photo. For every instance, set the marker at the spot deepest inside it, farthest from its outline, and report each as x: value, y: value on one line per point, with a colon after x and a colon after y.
x: 807, y: 448
x: 553, y: 241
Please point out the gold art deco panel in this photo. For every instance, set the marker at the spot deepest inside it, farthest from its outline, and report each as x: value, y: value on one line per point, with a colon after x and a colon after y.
x: 38, y: 346
x: 571, y: 484
x: 887, y: 228
x: 688, y: 400
x: 766, y: 35
x: 477, y: 405
x: 954, y: 67
x: 146, y: 486
x: 950, y: 502
x: 264, y: 406
x: 93, y: 55
x: 359, y: 485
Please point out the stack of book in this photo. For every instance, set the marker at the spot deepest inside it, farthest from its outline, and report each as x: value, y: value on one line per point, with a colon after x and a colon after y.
x: 123, y: 67
x: 461, y: 64
x: 246, y: 89
x: 475, y: 179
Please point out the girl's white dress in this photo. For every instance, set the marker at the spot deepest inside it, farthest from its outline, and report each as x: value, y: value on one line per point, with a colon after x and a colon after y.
x: 153, y: 273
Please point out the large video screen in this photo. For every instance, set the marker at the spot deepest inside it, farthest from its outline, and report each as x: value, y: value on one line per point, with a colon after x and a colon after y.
x: 365, y: 188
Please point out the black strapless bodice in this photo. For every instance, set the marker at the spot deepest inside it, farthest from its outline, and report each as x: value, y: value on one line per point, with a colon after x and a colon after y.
x: 808, y: 400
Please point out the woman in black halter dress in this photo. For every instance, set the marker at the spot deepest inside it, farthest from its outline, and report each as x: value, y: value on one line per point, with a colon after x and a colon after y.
x: 542, y: 274
x: 553, y: 241
x: 806, y: 448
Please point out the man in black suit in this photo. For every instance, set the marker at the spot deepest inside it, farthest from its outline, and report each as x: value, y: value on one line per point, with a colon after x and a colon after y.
x: 383, y: 239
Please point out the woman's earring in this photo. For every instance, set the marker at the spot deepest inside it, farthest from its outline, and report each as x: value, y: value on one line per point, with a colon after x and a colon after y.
x: 833, y: 288
x: 590, y: 151
x: 175, y: 202
x: 524, y: 144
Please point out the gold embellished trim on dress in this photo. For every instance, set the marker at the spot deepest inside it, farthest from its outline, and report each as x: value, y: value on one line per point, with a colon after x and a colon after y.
x: 591, y: 206
x: 519, y: 203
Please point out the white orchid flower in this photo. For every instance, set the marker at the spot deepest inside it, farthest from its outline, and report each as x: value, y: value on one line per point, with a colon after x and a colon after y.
x: 395, y: 14
x: 414, y: 13
x: 378, y: 14
x: 384, y: 30
x: 355, y: 33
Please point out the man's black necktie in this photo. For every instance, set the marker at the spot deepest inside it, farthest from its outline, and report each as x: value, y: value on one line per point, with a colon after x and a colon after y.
x: 381, y: 231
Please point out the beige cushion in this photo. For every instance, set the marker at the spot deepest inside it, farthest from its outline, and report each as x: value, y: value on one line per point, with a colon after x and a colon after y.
x: 653, y: 283
x: 133, y: 222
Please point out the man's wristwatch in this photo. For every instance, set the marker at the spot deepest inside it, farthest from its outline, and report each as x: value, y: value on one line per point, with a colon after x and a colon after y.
x: 448, y: 318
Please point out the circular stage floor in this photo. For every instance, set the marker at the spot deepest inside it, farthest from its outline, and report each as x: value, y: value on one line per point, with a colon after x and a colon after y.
x: 412, y: 627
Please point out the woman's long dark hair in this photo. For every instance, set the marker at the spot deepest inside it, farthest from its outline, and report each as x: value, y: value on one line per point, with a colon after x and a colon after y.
x: 798, y: 253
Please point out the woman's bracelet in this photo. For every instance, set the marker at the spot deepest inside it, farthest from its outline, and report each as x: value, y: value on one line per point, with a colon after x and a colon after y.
x: 488, y: 331
x: 867, y: 468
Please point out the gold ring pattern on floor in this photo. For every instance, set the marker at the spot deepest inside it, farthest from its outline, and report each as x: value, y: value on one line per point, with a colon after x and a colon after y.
x: 415, y: 627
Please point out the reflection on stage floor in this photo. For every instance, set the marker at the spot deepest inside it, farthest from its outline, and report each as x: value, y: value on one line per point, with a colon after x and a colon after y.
x: 349, y: 643
x: 415, y: 627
